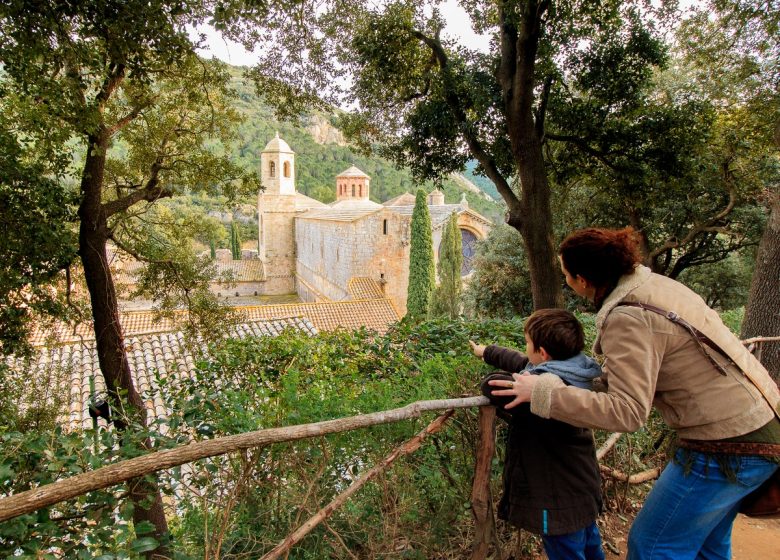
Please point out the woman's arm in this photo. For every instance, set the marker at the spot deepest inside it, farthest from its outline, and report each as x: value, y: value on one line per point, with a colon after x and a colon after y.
x: 633, y: 358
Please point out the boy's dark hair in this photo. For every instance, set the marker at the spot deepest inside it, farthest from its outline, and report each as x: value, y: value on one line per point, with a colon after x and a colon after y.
x: 557, y: 331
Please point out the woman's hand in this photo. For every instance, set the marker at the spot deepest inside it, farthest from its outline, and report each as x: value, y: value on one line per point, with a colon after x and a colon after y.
x: 477, y: 349
x: 521, y: 388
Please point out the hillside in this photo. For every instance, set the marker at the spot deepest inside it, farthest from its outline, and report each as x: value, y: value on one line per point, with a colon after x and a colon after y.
x: 321, y: 153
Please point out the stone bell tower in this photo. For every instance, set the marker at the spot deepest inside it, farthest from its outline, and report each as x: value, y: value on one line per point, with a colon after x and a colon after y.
x: 276, y: 210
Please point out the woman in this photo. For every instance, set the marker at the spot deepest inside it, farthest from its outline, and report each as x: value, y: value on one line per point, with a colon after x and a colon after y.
x: 729, y: 432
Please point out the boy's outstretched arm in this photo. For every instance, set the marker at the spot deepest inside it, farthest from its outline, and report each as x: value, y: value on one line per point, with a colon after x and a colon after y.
x: 477, y: 349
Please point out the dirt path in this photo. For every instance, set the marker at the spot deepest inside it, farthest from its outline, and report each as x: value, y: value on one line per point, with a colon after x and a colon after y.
x: 752, y: 539
x: 755, y: 539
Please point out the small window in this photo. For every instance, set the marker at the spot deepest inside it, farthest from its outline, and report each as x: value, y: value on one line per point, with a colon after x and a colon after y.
x: 360, y: 190
x: 272, y: 168
x: 353, y: 190
x: 286, y: 168
x: 384, y: 226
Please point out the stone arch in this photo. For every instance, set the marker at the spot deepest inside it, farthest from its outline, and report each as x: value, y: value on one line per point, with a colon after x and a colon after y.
x: 286, y: 168
x: 272, y: 168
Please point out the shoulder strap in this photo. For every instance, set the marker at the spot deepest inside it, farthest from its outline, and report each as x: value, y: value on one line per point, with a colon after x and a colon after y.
x: 701, y: 339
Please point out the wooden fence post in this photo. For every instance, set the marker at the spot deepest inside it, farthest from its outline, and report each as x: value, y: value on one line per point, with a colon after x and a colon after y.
x: 481, y: 501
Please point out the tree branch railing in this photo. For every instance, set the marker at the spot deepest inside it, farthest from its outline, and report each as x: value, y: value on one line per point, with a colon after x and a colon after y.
x: 481, y: 499
x: 116, y: 473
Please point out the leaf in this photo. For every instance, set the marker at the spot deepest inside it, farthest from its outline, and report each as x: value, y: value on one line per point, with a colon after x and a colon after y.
x: 143, y: 528
x: 144, y: 544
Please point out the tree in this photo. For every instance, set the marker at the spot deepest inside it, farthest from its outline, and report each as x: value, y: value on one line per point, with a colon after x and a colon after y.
x: 734, y: 48
x: 422, y: 269
x: 446, y: 296
x: 37, y: 244
x: 499, y: 286
x: 761, y: 317
x: 110, y: 73
x: 433, y: 105
x: 235, y: 241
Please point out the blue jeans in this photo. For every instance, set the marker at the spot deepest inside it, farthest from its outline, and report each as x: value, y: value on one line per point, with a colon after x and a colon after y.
x: 584, y: 544
x: 690, y: 516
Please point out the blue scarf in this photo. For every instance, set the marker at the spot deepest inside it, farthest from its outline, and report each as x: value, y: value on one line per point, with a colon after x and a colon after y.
x: 579, y: 370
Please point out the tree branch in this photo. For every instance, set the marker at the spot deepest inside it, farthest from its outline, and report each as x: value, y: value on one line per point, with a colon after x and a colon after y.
x: 112, y: 81
x: 542, y: 112
x: 475, y: 146
x: 582, y: 144
x: 405, y: 449
x: 707, y: 226
x: 151, y: 192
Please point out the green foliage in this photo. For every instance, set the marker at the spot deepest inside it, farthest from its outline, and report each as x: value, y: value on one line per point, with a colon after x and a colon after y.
x: 38, y: 243
x: 293, y: 379
x: 95, y: 525
x: 422, y: 269
x: 446, y: 296
x: 724, y: 284
x: 244, y: 503
x: 733, y: 319
x: 499, y: 286
x: 235, y: 241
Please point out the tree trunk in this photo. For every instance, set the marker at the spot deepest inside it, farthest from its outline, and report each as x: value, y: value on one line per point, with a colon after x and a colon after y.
x: 534, y: 219
x: 93, y: 237
x: 536, y: 229
x: 762, y: 317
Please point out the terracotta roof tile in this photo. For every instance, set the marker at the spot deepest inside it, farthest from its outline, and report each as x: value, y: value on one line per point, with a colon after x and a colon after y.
x: 149, y: 356
x: 361, y: 287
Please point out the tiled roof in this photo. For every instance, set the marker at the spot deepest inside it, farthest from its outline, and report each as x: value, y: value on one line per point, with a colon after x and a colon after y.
x: 352, y: 172
x: 249, y: 270
x: 374, y: 314
x: 440, y: 213
x: 406, y: 199
x: 364, y: 288
x: 303, y: 202
x: 151, y: 355
x: 343, y: 211
x: 369, y: 308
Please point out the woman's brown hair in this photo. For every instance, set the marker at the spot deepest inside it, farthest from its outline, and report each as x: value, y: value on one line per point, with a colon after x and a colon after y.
x: 601, y: 256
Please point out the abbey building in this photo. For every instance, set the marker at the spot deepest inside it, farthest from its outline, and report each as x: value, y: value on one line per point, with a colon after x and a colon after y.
x: 317, y: 250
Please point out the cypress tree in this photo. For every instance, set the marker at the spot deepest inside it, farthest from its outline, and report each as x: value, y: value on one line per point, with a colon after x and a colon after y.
x: 213, y: 249
x: 422, y: 270
x: 446, y: 298
x: 235, y: 241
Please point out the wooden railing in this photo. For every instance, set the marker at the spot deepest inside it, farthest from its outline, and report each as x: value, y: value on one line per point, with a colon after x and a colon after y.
x: 481, y: 501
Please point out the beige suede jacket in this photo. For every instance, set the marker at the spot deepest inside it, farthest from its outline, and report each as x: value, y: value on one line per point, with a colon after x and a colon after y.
x: 650, y: 361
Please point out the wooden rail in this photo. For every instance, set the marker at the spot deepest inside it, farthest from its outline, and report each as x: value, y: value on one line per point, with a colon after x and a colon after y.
x: 481, y: 499
x: 116, y: 473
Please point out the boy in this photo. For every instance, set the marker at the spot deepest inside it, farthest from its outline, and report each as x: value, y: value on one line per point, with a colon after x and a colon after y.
x: 551, y: 477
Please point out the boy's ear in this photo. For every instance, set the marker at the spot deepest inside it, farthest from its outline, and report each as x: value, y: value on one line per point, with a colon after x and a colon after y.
x: 543, y: 353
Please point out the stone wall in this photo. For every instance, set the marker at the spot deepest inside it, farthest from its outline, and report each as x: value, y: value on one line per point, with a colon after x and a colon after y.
x: 325, y: 256
x: 277, y: 234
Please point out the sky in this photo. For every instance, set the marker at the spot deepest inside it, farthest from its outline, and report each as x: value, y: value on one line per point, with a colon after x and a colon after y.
x: 458, y: 26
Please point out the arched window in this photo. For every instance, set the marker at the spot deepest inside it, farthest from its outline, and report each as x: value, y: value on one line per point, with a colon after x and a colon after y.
x: 360, y: 190
x: 384, y: 226
x: 272, y: 168
x: 353, y: 190
x: 286, y: 168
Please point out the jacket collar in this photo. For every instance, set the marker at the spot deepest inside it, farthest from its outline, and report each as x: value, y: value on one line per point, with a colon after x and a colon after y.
x: 625, y: 286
